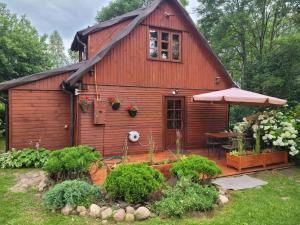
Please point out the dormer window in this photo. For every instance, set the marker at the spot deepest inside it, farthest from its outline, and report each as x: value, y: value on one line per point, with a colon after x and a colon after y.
x: 164, y: 45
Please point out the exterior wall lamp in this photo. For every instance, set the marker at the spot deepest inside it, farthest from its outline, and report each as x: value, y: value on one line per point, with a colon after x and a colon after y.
x: 175, y: 92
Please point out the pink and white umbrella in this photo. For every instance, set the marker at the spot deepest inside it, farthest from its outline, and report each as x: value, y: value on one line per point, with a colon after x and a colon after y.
x: 238, y: 96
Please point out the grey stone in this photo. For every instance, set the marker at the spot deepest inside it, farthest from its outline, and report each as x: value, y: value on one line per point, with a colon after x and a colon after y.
x: 223, y: 199
x: 119, y: 215
x: 142, y: 213
x: 67, y: 210
x: 130, y: 209
x: 83, y: 213
x: 107, y: 213
x: 80, y: 209
x: 94, y: 211
x: 129, y: 217
x: 35, y: 179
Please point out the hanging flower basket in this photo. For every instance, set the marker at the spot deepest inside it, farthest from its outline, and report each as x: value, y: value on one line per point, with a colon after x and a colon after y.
x: 116, y: 106
x: 132, y: 111
x: 115, y: 102
x: 85, y: 103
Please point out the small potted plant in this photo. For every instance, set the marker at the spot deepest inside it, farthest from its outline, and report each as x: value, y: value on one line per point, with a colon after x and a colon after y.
x: 85, y: 103
x: 132, y: 110
x: 115, y: 102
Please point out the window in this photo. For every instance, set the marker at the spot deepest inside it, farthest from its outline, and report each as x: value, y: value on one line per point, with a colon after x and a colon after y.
x: 174, y: 114
x: 164, y: 45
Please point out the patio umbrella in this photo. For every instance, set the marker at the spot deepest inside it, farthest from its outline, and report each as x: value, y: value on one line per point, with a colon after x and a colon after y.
x: 238, y: 96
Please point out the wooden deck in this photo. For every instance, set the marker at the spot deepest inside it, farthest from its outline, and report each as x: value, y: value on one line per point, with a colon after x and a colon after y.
x: 99, y: 175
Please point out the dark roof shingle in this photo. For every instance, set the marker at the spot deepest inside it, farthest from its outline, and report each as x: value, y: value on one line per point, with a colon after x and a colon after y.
x: 39, y: 76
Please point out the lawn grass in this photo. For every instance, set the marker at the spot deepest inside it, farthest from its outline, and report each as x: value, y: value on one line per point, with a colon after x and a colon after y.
x: 274, y: 204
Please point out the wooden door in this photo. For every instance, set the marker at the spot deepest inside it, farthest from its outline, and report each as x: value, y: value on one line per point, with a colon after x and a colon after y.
x: 174, y: 120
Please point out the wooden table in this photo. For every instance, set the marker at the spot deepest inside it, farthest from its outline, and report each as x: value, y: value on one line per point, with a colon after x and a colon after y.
x: 220, y: 135
x: 217, y: 139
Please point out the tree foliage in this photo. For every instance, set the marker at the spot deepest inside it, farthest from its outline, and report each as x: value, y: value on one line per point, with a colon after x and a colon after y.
x: 258, y: 42
x: 119, y: 7
x: 243, y: 31
x: 57, y: 50
x: 22, y: 50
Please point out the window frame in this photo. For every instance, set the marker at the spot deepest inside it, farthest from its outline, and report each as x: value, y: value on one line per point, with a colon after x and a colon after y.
x: 159, y: 43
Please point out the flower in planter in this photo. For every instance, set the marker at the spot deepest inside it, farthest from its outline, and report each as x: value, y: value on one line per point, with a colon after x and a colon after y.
x: 115, y: 102
x: 85, y: 103
x: 132, y: 110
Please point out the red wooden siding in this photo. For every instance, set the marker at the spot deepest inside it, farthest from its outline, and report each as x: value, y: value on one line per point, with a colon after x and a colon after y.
x: 200, y: 118
x: 39, y: 116
x: 88, y: 133
x: 39, y: 111
x: 51, y: 83
x: 99, y: 39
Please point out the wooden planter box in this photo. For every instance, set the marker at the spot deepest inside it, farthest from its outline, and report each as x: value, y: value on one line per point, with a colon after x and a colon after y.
x: 164, y: 169
x: 244, y: 161
x: 276, y: 158
x: 249, y: 161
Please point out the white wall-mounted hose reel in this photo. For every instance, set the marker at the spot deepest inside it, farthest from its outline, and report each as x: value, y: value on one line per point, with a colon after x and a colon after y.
x: 133, y: 136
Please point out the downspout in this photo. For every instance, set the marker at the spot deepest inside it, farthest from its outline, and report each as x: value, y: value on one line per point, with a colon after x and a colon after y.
x: 84, y: 46
x: 67, y: 90
x: 5, y: 101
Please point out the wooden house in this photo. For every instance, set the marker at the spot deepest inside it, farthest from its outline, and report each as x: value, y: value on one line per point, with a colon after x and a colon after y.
x: 153, y: 58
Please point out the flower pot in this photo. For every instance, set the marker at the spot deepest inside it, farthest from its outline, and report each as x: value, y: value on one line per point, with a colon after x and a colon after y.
x: 132, y: 113
x: 84, y: 107
x: 115, y: 106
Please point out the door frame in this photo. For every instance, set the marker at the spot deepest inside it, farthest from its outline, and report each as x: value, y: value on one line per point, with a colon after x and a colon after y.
x: 184, y: 116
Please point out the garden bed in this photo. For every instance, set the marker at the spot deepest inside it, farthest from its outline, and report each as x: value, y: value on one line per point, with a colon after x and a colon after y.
x: 251, y: 160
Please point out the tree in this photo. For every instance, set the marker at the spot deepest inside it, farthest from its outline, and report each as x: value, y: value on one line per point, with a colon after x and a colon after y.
x: 73, y: 57
x: 243, y: 31
x: 57, y: 50
x: 119, y: 7
x: 22, y: 50
x: 278, y: 74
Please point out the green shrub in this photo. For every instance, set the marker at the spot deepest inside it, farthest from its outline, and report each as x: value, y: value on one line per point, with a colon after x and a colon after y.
x: 71, y: 192
x: 195, y: 166
x: 25, y: 158
x: 133, y: 182
x: 71, y: 162
x: 296, y: 159
x: 185, y: 197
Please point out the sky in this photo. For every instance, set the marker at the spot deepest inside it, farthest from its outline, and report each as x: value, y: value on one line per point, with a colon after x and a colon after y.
x: 65, y: 16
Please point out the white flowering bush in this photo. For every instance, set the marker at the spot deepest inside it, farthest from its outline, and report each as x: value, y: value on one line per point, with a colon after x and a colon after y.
x: 276, y: 129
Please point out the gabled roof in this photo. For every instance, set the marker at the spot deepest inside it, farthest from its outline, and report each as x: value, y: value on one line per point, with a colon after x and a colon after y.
x: 81, y: 36
x: 140, y: 15
x: 39, y: 76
